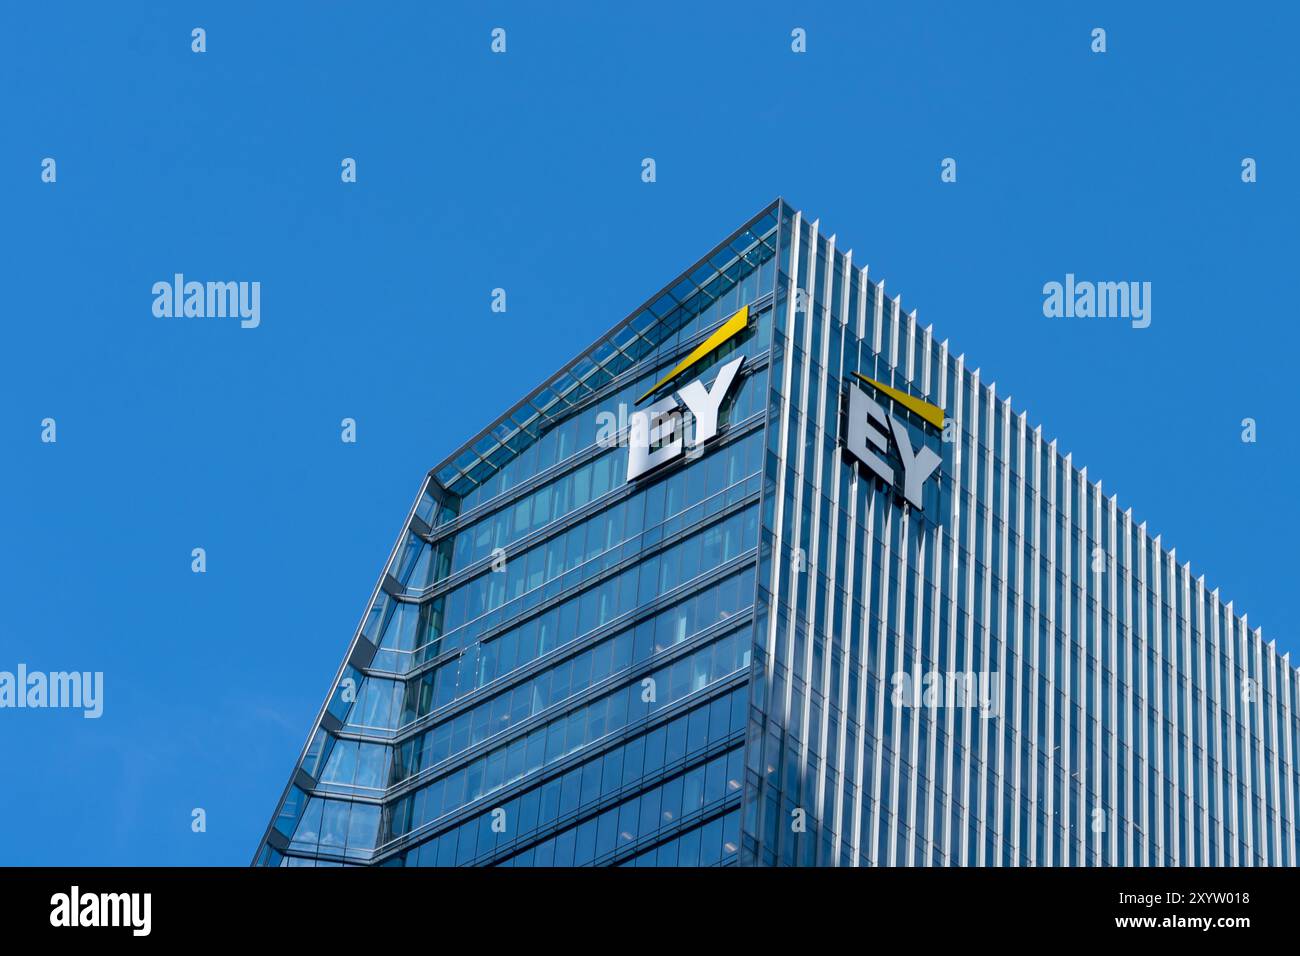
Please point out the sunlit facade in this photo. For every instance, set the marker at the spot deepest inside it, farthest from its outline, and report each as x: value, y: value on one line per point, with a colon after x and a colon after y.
x: 764, y: 653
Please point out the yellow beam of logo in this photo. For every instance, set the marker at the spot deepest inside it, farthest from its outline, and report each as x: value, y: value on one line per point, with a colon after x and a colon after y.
x: 931, y: 413
x: 727, y: 330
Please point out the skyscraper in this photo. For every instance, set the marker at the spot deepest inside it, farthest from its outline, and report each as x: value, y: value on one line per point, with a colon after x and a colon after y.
x: 767, y: 576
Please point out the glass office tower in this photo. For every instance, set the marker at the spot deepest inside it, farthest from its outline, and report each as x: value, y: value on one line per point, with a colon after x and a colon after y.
x: 767, y: 576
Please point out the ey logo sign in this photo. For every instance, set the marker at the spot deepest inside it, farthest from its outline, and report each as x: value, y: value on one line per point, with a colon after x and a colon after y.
x: 871, y: 430
x: 656, y: 434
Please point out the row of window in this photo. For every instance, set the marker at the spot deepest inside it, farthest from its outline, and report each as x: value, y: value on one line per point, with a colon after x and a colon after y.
x: 612, y: 656
x: 386, y: 703
x: 601, y: 778
x: 697, y: 847
x: 567, y: 622
x: 340, y: 827
x: 623, y: 523
x: 409, y: 634
x: 583, y: 725
x: 359, y: 764
x: 645, y: 815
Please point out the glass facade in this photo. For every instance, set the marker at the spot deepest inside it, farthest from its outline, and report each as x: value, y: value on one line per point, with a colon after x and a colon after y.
x: 760, y: 653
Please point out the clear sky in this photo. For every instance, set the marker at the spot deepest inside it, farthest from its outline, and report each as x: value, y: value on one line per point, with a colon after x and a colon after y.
x: 523, y: 171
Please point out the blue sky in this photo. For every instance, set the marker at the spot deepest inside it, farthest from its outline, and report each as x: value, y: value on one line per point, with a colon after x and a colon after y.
x: 522, y: 171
